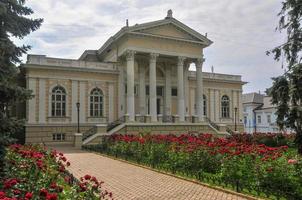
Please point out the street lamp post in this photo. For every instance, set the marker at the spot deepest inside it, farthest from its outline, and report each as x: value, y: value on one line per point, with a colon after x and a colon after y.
x: 78, y: 109
x: 235, y: 118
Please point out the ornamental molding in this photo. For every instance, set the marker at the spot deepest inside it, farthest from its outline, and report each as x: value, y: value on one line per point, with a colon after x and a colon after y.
x: 199, y: 62
x: 153, y: 57
x: 181, y: 60
x: 130, y: 55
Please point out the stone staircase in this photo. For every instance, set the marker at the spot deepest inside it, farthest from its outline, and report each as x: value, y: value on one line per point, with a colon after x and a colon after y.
x: 119, y: 126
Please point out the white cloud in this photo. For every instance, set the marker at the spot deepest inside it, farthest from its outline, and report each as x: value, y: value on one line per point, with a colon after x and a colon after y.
x: 241, y: 30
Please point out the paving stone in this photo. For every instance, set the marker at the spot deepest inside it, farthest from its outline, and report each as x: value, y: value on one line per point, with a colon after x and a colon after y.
x: 129, y: 182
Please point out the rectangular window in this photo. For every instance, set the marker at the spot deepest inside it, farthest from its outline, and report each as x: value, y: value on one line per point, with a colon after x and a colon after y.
x: 58, y: 136
x: 160, y: 91
x: 174, y: 92
x: 259, y: 119
x: 269, y: 120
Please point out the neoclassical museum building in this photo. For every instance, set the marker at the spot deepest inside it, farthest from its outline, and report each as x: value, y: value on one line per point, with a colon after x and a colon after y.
x: 137, y: 82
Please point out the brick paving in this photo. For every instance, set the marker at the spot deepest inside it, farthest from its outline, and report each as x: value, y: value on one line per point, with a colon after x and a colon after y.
x: 129, y: 182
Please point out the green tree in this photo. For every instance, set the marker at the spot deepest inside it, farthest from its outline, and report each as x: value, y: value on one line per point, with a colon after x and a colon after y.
x: 14, y: 23
x: 286, y: 91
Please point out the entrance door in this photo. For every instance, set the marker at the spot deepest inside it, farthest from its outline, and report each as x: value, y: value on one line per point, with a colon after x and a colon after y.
x: 158, y: 105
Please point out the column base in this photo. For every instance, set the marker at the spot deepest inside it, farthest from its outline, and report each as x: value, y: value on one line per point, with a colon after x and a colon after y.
x: 195, y: 119
x: 147, y: 118
x: 188, y: 118
x: 160, y: 118
x: 176, y: 119
x: 126, y: 118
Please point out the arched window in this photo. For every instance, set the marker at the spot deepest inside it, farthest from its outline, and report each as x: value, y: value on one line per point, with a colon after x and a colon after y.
x: 96, y: 103
x: 204, y: 105
x: 58, y: 102
x: 225, y: 107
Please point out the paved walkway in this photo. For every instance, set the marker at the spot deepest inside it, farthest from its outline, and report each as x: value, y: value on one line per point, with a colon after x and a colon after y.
x: 129, y: 182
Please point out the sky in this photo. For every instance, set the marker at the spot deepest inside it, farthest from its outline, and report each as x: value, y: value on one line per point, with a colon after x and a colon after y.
x: 242, y: 30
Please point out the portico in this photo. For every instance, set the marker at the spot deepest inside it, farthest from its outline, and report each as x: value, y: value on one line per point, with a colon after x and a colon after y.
x: 155, y: 104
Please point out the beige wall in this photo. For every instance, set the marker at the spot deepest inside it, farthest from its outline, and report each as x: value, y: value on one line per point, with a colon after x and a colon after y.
x: 85, y: 83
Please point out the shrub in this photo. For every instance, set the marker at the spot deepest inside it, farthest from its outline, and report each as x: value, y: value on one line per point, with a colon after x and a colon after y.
x: 239, y: 162
x: 33, y: 172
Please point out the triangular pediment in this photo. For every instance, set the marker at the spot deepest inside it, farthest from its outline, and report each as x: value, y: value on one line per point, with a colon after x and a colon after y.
x: 168, y: 30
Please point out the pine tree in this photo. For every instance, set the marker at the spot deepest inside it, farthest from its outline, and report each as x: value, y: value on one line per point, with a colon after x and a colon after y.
x: 286, y: 91
x: 14, y: 23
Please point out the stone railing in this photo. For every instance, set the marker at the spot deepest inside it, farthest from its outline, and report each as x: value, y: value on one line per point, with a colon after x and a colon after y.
x: 46, y: 61
x: 208, y: 75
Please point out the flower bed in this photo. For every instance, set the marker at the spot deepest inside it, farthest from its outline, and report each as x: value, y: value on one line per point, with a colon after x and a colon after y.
x: 32, y: 172
x: 244, y: 166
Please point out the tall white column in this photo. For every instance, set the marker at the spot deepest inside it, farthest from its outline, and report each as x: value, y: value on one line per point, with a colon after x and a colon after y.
x: 180, y: 89
x: 199, y: 89
x: 130, y: 85
x: 186, y: 88
x: 142, y: 89
x: 168, y: 91
x: 152, y: 86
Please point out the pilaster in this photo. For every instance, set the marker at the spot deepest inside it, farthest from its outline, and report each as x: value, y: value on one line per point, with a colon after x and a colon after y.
x: 31, y: 103
x: 42, y: 101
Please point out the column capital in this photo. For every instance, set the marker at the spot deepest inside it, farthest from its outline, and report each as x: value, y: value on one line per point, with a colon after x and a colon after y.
x: 199, y: 61
x: 181, y: 60
x: 153, y: 57
x: 130, y: 55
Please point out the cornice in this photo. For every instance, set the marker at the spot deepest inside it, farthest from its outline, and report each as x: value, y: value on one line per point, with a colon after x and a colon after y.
x: 70, y: 68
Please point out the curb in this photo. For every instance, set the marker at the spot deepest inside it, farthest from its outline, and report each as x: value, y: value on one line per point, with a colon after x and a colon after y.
x: 179, y: 177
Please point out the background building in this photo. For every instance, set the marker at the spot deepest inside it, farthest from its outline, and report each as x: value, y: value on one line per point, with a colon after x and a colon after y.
x: 259, y: 113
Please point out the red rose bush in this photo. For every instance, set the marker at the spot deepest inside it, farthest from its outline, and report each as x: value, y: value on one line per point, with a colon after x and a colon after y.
x: 33, y: 172
x: 238, y: 162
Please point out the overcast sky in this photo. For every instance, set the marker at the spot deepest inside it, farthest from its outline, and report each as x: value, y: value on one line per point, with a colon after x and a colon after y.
x: 242, y: 30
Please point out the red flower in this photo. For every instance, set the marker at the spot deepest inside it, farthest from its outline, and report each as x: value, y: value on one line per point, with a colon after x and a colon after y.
x: 87, y: 177
x: 43, y: 192
x: 17, y: 192
x: 52, y: 196
x: 2, y: 194
x: 68, y: 164
x: 28, y: 195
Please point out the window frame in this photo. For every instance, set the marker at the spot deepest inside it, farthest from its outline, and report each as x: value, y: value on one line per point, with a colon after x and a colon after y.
x: 225, y: 106
x: 96, y: 103
x: 58, y: 101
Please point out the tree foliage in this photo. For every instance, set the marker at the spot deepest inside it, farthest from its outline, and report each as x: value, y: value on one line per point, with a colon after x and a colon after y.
x: 286, y: 91
x: 14, y: 23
